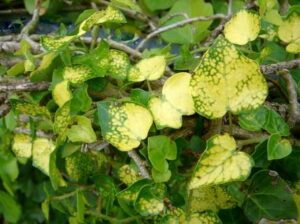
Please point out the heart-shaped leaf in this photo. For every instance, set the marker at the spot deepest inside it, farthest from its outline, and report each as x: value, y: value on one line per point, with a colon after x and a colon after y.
x: 242, y: 28
x: 83, y: 131
x: 61, y: 93
x: 148, y: 69
x: 124, y: 125
x: 225, y: 80
x: 221, y: 163
x: 278, y: 148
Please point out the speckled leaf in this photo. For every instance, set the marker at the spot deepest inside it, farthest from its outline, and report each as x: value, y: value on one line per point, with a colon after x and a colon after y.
x: 148, y: 69
x: 177, y: 92
x: 82, y: 131
x: 204, y: 218
x: 164, y: 114
x: 22, y: 145
x: 118, y: 64
x: 221, y: 163
x: 211, y: 198
x: 128, y: 174
x: 124, y: 125
x: 30, y: 109
x: 242, y: 27
x: 225, y: 80
x: 61, y: 93
x: 53, y: 43
x: 41, y: 151
x: 61, y: 121
x: 78, y: 74
x: 148, y: 203
x: 109, y: 15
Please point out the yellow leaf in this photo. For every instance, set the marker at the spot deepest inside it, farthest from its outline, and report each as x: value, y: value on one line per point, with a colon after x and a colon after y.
x: 22, y: 145
x: 294, y: 47
x: 125, y: 125
x: 41, y: 151
x: 118, y: 64
x: 289, y: 30
x: 164, y: 114
x: 225, y: 80
x: 221, y: 163
x: 148, y: 69
x: 242, y: 27
x: 177, y: 92
x: 61, y: 93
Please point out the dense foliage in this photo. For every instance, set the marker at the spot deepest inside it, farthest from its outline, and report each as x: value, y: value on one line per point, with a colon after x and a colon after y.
x: 143, y: 111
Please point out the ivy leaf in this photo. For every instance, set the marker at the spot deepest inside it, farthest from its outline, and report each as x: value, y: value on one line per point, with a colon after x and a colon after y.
x: 164, y: 115
x: 53, y: 43
x: 83, y: 131
x: 41, y: 151
x: 45, y: 68
x: 140, y: 96
x: 177, y: 92
x: 62, y: 120
x: 225, y: 80
x: 10, y: 209
x: 77, y: 74
x: 148, y: 69
x: 22, y: 145
x: 221, y: 163
x: 269, y: 197
x: 278, y: 148
x: 81, y: 101
x: 161, y: 176
x: 61, y: 93
x: 191, y: 33
x: 289, y: 32
x: 128, y: 174
x: 31, y: 109
x: 124, y: 125
x: 204, y: 217
x: 118, y: 64
x: 147, y: 203
x: 242, y: 28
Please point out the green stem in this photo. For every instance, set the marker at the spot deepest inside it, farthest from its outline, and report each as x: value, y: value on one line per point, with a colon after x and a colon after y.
x: 149, y: 86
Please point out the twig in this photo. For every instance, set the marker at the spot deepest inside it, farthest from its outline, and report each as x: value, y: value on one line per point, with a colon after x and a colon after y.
x: 294, y: 111
x: 177, y: 25
x: 229, y: 9
x: 140, y: 163
x: 30, y: 26
x: 241, y: 133
x: 241, y: 143
x: 273, y: 68
x: 26, y: 86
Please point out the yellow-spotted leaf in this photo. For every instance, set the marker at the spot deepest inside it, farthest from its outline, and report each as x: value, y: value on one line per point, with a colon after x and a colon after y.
x: 30, y: 109
x: 242, y: 27
x: 61, y: 93
x: 164, y: 114
x: 289, y: 30
x: 148, y: 69
x: 124, y: 125
x: 221, y: 163
x: 109, y: 15
x: 53, y: 43
x: 118, y: 64
x: 41, y: 150
x: 211, y: 198
x: 225, y: 80
x: 22, y: 145
x: 62, y: 121
x: 177, y: 92
x: 128, y: 175
x: 78, y: 74
x: 203, y: 218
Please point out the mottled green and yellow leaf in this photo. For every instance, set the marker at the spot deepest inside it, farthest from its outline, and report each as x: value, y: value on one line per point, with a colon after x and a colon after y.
x: 22, y: 145
x: 61, y: 93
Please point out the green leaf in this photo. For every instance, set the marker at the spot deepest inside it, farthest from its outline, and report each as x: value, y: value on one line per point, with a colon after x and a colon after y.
x: 225, y: 80
x: 221, y: 163
x: 45, y: 68
x: 158, y: 4
x: 82, y: 131
x: 16, y: 69
x: 161, y: 148
x: 260, y: 155
x: 161, y: 176
x: 242, y: 28
x: 81, y: 101
x: 8, y: 167
x: 190, y: 33
x: 253, y: 120
x: 55, y: 174
x: 80, y: 200
x: 269, y: 197
x: 276, y: 124
x: 9, y: 208
x: 84, y: 15
x: 140, y: 96
x: 45, y: 209
x: 278, y: 148
x: 123, y: 125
